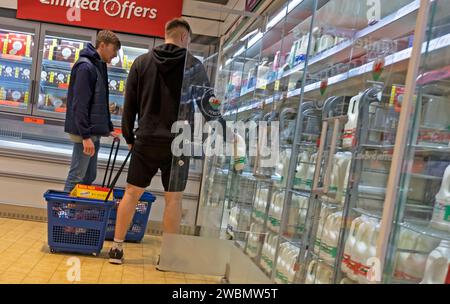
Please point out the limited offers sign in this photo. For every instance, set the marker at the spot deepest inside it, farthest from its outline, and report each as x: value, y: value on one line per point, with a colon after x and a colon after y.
x: 146, y: 17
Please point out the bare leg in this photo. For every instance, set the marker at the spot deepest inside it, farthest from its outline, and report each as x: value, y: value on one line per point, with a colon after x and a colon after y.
x: 127, y: 208
x: 172, y: 212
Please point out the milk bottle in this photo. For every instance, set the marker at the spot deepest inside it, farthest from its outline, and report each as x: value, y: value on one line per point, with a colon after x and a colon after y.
x: 290, y: 266
x: 310, y: 174
x: 281, y: 262
x: 437, y: 269
x: 302, y: 214
x: 362, y: 243
x: 344, y: 171
x: 282, y: 168
x: 329, y: 246
x: 350, y: 244
x: 312, y: 271
x: 441, y: 213
x: 324, y: 213
x: 302, y: 169
x: 334, y: 178
x: 324, y: 274
x: 370, y: 252
x: 350, y: 127
x: 415, y: 263
x: 407, y: 241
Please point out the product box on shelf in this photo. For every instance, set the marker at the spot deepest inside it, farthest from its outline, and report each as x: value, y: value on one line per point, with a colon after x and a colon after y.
x: 49, y: 47
x: 17, y: 44
x: 68, y: 51
x: 17, y: 95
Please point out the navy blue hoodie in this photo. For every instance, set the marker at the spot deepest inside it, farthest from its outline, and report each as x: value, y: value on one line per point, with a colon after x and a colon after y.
x: 88, y: 115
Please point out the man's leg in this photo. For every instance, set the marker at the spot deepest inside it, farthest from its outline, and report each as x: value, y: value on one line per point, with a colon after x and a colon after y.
x: 78, y: 167
x: 172, y: 212
x: 127, y: 208
x: 125, y: 213
x: 91, y: 172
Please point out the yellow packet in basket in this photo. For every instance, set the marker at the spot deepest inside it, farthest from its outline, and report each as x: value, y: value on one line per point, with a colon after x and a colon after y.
x: 92, y: 192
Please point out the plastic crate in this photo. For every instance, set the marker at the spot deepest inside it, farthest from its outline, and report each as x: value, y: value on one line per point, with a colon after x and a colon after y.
x: 139, y: 223
x: 76, y: 224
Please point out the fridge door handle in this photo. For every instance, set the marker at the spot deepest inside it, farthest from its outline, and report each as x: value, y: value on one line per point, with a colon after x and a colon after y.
x: 329, y: 168
x: 33, y: 91
x: 320, y: 156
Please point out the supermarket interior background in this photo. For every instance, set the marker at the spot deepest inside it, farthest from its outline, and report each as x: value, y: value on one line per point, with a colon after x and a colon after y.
x: 361, y: 190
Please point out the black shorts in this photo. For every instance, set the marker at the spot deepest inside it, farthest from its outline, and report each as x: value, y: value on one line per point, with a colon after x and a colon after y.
x: 147, y: 159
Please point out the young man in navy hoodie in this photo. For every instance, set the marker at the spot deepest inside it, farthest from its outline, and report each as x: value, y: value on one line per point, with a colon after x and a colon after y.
x: 88, y: 117
x: 154, y: 94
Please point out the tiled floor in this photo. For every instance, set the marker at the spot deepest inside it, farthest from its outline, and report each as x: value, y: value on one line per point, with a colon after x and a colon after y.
x: 25, y: 258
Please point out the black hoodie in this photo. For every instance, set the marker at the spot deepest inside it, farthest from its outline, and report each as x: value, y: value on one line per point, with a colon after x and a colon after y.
x: 154, y: 91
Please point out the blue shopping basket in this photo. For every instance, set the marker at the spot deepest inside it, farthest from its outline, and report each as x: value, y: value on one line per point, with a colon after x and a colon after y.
x: 139, y: 223
x: 79, y: 224
x: 76, y: 224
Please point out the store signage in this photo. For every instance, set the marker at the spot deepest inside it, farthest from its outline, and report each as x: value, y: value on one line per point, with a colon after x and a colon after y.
x: 138, y: 16
x: 251, y: 4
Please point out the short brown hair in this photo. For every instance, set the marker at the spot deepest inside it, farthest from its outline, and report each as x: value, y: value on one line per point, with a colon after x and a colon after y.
x: 107, y: 37
x: 177, y: 23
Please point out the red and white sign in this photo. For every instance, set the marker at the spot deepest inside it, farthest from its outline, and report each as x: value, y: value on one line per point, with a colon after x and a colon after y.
x: 145, y: 17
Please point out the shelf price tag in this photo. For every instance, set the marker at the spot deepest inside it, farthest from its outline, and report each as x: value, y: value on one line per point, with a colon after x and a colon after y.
x: 34, y: 120
x: 5, y: 44
x: 277, y: 85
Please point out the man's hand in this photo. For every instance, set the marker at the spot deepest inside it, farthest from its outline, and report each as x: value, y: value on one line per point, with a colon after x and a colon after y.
x: 88, y: 147
x: 130, y: 146
x: 114, y: 134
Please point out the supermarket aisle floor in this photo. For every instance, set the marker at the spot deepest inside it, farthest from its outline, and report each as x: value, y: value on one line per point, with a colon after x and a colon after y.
x: 25, y: 258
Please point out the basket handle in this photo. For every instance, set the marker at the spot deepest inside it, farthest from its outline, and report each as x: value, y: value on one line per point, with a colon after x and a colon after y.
x: 116, y: 178
x: 116, y: 140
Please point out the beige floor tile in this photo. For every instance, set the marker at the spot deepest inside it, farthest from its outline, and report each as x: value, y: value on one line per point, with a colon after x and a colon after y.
x: 153, y: 275
x: 175, y: 281
x: 110, y: 281
x: 133, y: 280
x: 34, y: 281
x: 192, y: 281
x: 11, y: 277
x: 155, y: 281
x: 174, y: 275
x: 190, y: 276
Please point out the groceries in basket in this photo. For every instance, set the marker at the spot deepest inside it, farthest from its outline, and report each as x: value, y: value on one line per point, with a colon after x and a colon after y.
x: 92, y: 192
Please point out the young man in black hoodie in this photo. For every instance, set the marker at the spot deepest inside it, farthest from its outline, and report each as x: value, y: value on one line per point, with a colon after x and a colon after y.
x: 153, y: 93
x: 88, y: 117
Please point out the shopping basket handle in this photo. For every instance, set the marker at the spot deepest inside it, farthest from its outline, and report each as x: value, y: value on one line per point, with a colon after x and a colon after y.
x: 116, y: 178
x: 116, y: 140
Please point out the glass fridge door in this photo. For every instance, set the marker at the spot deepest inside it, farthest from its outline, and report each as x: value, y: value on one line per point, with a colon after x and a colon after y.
x: 17, y: 69
x: 419, y: 246
x: 60, y: 49
x: 132, y: 47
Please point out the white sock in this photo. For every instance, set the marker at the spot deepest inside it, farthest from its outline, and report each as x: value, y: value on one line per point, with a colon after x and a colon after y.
x: 118, y: 244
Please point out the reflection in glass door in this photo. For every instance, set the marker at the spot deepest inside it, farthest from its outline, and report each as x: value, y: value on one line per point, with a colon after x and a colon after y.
x: 17, y: 50
x: 132, y: 47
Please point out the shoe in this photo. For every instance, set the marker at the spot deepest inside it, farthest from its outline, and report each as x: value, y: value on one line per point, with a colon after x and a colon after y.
x: 116, y: 256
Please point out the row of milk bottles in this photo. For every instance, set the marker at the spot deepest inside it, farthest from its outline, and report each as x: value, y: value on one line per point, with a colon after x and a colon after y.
x: 288, y: 254
x: 327, y: 236
x: 419, y: 258
x: 286, y: 263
